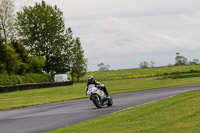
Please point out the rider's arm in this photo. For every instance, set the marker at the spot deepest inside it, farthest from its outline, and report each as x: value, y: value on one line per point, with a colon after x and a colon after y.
x: 86, y: 89
x: 97, y: 83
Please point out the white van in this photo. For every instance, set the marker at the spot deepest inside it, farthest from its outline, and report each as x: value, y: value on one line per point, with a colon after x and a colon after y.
x: 61, y: 78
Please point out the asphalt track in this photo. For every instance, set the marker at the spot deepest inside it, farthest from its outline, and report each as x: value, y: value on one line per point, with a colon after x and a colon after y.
x: 46, y: 117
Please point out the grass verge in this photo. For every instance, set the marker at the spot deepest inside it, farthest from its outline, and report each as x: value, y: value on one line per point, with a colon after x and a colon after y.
x: 179, y: 114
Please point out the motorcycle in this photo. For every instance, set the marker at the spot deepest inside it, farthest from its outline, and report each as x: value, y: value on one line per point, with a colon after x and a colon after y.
x: 98, y: 97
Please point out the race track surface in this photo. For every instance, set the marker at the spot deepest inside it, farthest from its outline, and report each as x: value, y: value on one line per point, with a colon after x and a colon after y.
x: 46, y: 117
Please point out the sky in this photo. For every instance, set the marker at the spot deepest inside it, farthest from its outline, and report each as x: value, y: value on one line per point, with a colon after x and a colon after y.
x: 124, y: 33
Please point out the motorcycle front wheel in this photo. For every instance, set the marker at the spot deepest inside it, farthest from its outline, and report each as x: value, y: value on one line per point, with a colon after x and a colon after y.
x: 96, y: 101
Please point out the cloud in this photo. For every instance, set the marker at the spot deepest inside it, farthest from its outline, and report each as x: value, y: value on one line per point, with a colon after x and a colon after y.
x: 124, y: 33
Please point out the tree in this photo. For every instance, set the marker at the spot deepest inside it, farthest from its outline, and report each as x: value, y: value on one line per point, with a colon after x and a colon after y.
x: 20, y: 49
x: 37, y: 64
x: 103, y: 67
x: 69, y: 52
x: 152, y: 63
x: 60, y: 62
x: 42, y: 30
x: 10, y: 59
x: 2, y: 65
x: 2, y: 68
x: 194, y: 62
x: 180, y: 60
x: 7, y: 19
x: 78, y: 62
x: 144, y: 64
x: 23, y: 55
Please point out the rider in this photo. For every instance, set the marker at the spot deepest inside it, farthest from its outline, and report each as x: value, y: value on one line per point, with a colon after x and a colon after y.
x: 91, y: 80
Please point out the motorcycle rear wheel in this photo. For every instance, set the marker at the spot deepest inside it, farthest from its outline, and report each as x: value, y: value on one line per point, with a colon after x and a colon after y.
x: 110, y: 102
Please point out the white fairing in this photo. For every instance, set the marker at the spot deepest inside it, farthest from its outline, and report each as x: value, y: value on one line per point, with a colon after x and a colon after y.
x: 92, y: 89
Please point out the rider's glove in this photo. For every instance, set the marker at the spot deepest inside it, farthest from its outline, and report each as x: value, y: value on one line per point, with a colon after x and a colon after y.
x: 102, y: 85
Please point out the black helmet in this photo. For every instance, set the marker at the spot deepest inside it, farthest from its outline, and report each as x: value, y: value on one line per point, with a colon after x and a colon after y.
x: 90, y: 79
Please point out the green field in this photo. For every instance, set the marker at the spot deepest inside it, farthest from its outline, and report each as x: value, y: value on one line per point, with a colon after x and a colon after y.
x: 179, y: 114
x: 140, y: 73
x: 49, y: 95
x: 177, y: 76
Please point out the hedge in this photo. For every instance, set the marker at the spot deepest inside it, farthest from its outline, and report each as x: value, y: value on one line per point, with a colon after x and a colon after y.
x: 24, y: 79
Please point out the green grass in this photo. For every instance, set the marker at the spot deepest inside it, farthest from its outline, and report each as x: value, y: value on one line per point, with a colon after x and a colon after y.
x: 139, y: 73
x: 49, y: 95
x: 185, y: 75
x: 179, y: 114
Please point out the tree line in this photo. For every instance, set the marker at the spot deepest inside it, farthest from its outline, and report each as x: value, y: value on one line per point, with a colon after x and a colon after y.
x: 179, y: 60
x: 37, y: 41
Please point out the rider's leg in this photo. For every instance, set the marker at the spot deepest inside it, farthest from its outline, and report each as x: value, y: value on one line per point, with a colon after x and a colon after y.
x: 105, y: 90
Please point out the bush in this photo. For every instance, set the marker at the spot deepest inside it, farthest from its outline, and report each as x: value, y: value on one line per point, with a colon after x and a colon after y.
x: 2, y: 68
x: 37, y: 64
x: 19, y: 80
x: 36, y: 78
x: 23, y: 68
x: 23, y: 79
